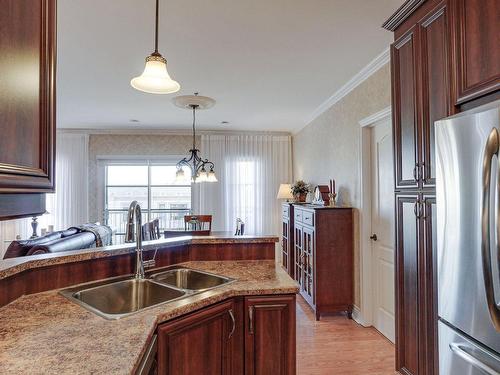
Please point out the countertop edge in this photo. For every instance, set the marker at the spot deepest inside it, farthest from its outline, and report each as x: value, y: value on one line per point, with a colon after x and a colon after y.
x: 13, y: 266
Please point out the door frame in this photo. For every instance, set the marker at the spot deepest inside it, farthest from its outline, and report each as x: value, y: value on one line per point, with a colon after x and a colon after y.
x: 364, y: 314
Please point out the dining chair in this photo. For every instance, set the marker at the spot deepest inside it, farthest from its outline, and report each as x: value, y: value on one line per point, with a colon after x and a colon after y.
x: 198, y: 222
x: 151, y: 230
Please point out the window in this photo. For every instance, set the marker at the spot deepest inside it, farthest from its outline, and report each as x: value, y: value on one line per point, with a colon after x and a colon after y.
x: 154, y: 186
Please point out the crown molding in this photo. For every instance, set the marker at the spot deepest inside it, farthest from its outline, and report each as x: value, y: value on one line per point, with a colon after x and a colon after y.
x: 354, y: 82
x: 145, y: 131
x: 401, y: 14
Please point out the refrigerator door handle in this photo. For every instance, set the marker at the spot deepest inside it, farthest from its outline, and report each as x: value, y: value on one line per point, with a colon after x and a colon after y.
x: 461, y: 351
x: 491, y: 149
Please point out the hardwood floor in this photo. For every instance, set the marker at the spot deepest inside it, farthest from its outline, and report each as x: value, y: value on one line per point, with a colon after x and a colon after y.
x: 337, y: 345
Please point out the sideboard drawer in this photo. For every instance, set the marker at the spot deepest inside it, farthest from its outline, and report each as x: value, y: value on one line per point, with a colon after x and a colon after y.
x: 285, y: 211
x: 308, y: 217
x: 298, y: 215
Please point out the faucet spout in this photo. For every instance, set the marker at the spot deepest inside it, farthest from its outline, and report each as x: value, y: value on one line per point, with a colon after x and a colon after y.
x: 134, y: 218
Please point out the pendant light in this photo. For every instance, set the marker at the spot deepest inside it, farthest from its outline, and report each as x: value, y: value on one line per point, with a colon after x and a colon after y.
x: 202, y: 170
x: 155, y: 78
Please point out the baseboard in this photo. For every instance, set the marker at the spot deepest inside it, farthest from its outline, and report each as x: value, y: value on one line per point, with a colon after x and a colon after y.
x: 358, y: 317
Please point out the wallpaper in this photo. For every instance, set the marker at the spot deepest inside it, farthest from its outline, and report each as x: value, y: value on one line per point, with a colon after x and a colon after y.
x: 329, y: 146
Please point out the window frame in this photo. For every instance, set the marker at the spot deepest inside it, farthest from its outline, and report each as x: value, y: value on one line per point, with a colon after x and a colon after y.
x: 149, y: 162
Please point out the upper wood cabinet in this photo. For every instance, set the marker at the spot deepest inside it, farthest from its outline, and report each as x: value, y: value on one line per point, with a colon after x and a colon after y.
x: 435, y: 92
x: 404, y: 56
x: 27, y: 103
x: 421, y: 93
x: 476, y: 27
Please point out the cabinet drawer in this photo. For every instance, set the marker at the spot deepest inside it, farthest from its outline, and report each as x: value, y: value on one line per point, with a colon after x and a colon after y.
x: 285, y: 211
x: 308, y: 217
x: 298, y: 216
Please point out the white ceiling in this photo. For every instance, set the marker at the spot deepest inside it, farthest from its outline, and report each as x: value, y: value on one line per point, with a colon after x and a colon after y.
x: 268, y: 63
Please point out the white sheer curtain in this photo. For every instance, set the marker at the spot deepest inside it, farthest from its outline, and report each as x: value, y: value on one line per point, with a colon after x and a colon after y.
x: 68, y: 206
x: 249, y: 169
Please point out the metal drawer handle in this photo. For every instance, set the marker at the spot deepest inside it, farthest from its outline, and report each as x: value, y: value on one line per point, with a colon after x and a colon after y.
x: 250, y: 320
x: 231, y: 314
x: 461, y: 351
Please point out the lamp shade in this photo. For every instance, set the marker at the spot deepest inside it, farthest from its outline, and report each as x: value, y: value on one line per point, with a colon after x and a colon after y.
x: 155, y: 78
x: 285, y: 192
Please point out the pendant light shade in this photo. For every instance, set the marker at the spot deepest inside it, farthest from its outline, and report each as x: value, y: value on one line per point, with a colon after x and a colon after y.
x: 155, y: 78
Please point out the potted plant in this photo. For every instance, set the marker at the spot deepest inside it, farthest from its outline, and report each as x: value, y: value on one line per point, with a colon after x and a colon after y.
x: 300, y: 190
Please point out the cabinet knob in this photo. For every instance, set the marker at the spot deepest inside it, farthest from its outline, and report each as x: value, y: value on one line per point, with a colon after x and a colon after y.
x: 374, y: 237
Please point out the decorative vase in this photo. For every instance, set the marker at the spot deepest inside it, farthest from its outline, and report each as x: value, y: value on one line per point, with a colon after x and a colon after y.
x: 301, y: 197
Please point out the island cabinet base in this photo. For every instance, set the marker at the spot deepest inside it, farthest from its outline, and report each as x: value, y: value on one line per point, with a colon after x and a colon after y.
x: 243, y: 335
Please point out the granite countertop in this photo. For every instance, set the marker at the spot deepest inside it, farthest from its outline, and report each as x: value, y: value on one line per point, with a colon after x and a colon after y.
x: 11, y: 266
x: 46, y: 333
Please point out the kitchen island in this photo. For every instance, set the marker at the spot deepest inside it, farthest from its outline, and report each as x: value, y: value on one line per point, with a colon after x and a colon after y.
x: 46, y: 333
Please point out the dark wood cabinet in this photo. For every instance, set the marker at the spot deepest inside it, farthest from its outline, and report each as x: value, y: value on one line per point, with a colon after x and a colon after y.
x: 323, y: 253
x: 445, y: 59
x: 270, y: 335
x: 27, y: 105
x: 287, y: 235
x: 416, y: 305
x: 476, y: 27
x: 435, y: 90
x: 200, y: 343
x: 428, y: 286
x: 242, y: 335
x: 404, y: 89
x: 407, y: 302
x: 421, y: 94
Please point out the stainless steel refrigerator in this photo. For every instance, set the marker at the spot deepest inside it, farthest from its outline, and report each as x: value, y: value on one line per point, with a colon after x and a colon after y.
x: 468, y: 241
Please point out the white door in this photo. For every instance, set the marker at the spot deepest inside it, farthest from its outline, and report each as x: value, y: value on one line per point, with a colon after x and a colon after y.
x: 382, y: 228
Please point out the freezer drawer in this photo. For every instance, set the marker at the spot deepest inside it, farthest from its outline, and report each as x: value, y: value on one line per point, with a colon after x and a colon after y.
x: 460, y: 356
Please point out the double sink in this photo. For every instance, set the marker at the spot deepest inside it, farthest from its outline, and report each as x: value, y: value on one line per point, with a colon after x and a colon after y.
x: 122, y: 296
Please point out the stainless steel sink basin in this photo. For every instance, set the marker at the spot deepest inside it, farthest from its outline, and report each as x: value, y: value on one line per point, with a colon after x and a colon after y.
x: 191, y: 280
x: 113, y: 299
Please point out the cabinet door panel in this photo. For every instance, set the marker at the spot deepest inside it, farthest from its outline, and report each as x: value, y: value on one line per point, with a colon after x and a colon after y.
x: 428, y: 286
x: 435, y: 98
x: 406, y: 144
x: 270, y: 335
x: 298, y: 254
x: 477, y: 30
x: 308, y: 268
x: 27, y: 95
x: 407, y: 245
x: 200, y: 343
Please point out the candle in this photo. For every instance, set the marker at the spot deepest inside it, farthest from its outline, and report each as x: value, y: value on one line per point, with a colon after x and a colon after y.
x: 333, y: 186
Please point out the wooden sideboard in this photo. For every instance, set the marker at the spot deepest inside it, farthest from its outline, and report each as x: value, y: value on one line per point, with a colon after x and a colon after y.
x: 317, y: 251
x: 444, y: 60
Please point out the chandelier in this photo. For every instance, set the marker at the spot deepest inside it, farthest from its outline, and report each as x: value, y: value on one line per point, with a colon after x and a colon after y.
x: 202, y: 170
x: 155, y: 78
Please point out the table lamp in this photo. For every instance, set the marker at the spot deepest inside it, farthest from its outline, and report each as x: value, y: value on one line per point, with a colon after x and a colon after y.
x: 285, y: 192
